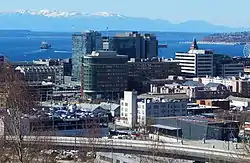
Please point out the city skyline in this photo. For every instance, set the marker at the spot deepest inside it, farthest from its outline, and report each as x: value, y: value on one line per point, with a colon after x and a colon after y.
x: 221, y: 12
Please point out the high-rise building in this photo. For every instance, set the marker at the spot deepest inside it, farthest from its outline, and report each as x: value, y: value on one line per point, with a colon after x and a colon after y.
x: 139, y: 72
x: 195, y: 62
x: 83, y: 44
x: 134, y: 45
x: 104, y: 75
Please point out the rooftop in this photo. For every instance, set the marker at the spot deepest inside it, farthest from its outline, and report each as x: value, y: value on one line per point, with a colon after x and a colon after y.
x: 104, y: 54
x: 179, y: 96
x: 239, y: 98
x: 193, y: 83
x: 158, y: 100
x: 165, y: 127
x: 212, y: 85
x: 197, y: 119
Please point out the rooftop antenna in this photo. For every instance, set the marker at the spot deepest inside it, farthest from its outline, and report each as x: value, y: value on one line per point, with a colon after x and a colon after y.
x: 107, y: 33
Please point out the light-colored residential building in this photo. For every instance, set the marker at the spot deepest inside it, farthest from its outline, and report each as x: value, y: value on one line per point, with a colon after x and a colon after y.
x: 129, y: 109
x: 194, y: 90
x: 240, y: 86
x: 150, y: 108
x: 205, y: 80
x: 137, y: 111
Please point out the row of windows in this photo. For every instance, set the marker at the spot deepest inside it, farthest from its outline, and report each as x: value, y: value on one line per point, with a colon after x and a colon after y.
x: 176, y: 105
x: 125, y: 104
x: 124, y: 114
x: 163, y: 111
x: 124, y: 109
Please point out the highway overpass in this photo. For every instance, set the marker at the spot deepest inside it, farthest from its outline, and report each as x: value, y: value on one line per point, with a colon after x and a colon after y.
x: 142, y: 147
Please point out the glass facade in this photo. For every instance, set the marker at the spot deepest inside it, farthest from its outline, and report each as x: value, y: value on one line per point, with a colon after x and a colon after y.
x: 83, y: 44
x: 135, y: 45
x: 105, y: 77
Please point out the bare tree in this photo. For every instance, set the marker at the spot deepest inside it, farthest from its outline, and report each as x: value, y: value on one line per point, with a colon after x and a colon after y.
x: 18, y: 105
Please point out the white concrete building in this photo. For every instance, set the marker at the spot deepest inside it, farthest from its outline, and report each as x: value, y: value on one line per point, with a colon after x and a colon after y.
x: 205, y: 80
x: 196, y: 63
x: 136, y: 112
x: 239, y: 102
x: 147, y: 108
x: 129, y: 109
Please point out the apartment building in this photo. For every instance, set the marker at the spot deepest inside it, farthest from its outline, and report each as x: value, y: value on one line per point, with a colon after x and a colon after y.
x: 139, y: 110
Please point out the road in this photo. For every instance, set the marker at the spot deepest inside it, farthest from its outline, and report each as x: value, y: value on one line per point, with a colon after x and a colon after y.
x: 191, y: 152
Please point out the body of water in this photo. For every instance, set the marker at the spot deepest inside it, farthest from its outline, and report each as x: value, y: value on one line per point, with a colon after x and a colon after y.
x: 26, y: 46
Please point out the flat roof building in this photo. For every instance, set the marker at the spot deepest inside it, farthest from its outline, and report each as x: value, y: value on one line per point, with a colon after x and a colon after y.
x: 40, y: 73
x: 139, y: 110
x: 195, y: 62
x: 201, y: 128
x: 140, y: 72
x: 104, y: 75
x: 134, y: 45
x: 83, y: 44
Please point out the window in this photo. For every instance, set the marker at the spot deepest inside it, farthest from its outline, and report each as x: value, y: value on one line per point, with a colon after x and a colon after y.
x: 126, y: 104
x: 156, y: 107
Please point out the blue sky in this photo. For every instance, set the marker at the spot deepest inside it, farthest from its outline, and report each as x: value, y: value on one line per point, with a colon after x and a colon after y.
x: 233, y: 13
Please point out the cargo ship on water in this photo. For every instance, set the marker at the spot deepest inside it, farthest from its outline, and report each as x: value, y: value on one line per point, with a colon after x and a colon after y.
x: 45, y: 45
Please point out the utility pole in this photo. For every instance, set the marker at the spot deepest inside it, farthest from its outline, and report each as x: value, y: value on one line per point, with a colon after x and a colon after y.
x: 75, y: 142
x: 177, y: 124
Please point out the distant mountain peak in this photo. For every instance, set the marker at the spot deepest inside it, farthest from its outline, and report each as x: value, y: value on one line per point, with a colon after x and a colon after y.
x: 55, y: 20
x: 49, y: 13
x: 57, y: 13
x: 106, y: 14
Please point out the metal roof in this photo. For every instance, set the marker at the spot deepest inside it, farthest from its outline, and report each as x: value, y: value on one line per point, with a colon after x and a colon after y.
x: 178, y: 96
x: 165, y: 127
x: 213, y: 85
x: 193, y: 84
x: 239, y: 99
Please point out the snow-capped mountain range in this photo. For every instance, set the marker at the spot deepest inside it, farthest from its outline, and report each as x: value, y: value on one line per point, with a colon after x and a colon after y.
x: 54, y: 20
x: 57, y: 13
